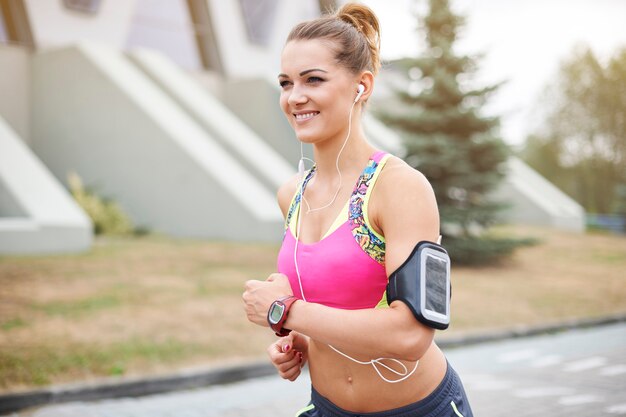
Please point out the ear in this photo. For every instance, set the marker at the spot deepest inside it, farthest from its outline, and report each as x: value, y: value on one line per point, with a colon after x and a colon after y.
x: 367, y: 79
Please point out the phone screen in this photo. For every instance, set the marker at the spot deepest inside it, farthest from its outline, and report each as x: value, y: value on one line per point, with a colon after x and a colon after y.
x: 436, y: 285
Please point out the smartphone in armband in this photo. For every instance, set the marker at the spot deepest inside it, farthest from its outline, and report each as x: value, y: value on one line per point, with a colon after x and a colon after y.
x: 422, y: 282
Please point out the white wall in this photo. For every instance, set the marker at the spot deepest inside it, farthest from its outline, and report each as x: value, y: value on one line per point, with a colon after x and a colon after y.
x: 15, y: 80
x: 241, y: 58
x: 52, y: 24
x: 251, y: 151
x: 165, y: 26
x: 37, y: 215
x: 255, y: 102
x: 126, y: 138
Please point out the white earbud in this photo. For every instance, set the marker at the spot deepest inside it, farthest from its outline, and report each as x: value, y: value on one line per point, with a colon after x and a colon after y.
x: 301, y: 168
x: 360, y: 91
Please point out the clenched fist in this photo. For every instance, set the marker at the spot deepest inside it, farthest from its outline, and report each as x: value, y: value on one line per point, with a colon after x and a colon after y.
x: 258, y: 296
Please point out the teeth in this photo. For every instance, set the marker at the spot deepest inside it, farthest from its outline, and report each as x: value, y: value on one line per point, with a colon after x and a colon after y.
x: 305, y: 116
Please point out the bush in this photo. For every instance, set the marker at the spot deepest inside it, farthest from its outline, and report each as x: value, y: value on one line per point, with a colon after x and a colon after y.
x: 107, y: 216
x: 482, y: 250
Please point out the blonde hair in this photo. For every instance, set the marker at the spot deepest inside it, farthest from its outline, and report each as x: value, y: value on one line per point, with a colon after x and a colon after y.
x: 354, y: 30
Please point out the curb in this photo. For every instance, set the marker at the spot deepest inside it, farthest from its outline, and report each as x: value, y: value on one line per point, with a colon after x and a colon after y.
x: 197, y: 379
x: 527, y: 331
x: 132, y: 387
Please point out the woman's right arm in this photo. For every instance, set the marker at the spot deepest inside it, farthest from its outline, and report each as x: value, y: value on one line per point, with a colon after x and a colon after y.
x: 288, y: 354
x: 286, y: 192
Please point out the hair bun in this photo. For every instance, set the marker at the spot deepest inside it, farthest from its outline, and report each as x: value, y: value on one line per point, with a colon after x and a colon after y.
x: 363, y: 19
x: 355, y: 32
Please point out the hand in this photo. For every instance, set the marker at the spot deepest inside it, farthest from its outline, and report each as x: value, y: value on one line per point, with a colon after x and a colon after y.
x: 289, y: 354
x: 258, y: 296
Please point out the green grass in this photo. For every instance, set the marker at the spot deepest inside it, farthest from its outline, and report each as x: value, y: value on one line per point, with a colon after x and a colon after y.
x: 140, y: 305
x: 37, y: 365
x: 11, y: 324
x: 613, y: 257
x: 73, y: 309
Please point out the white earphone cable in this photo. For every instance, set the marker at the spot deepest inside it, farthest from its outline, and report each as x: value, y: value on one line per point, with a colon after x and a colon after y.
x: 345, y: 142
x: 374, y: 362
x: 404, y: 374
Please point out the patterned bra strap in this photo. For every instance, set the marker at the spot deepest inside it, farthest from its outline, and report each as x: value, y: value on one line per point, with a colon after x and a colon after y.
x: 371, y: 242
x: 297, y: 197
x: 378, y: 156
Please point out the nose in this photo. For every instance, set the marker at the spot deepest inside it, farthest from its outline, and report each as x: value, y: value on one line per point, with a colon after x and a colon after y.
x: 296, y: 96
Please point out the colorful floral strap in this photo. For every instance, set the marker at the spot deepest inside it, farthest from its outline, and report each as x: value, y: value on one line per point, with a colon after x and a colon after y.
x: 371, y: 242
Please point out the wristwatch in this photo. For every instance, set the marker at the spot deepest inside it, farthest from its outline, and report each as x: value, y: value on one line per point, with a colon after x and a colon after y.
x: 277, y: 314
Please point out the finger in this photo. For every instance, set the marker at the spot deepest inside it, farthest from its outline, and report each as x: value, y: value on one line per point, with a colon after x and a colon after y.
x: 280, y: 359
x: 301, y: 359
x: 276, y: 351
x: 251, y: 284
x: 287, y: 346
x: 300, y: 342
x: 292, y: 375
x: 294, y: 362
x: 286, y: 343
x: 277, y: 277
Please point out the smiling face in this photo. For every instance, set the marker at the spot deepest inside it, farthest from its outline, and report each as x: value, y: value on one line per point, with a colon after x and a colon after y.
x: 317, y: 93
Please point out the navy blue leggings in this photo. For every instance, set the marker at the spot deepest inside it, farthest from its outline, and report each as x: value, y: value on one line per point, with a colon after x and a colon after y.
x: 447, y: 400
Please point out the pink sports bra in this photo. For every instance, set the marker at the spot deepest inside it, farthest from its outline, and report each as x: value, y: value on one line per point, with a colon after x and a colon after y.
x: 346, y: 269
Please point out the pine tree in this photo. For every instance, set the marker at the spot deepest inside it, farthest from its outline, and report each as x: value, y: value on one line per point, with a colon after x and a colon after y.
x: 448, y: 140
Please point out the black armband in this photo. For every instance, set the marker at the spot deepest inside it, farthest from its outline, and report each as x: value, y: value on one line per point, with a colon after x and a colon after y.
x: 422, y: 282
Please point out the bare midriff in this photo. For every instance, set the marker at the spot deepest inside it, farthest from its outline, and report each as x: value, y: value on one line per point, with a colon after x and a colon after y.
x: 359, y: 388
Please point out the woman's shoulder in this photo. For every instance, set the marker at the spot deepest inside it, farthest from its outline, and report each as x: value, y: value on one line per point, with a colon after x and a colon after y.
x: 399, y: 177
x: 404, y: 204
x: 403, y: 194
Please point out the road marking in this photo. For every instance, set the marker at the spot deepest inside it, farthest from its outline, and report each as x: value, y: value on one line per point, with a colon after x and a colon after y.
x: 517, y: 355
x: 585, y: 364
x: 539, y: 392
x: 616, y: 409
x: 580, y: 399
x: 613, y: 370
x: 549, y: 360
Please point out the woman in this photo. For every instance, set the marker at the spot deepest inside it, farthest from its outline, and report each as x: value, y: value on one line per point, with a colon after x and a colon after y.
x: 350, y: 222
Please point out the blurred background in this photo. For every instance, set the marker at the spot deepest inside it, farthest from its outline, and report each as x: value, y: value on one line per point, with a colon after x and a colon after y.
x: 141, y: 146
x: 108, y: 93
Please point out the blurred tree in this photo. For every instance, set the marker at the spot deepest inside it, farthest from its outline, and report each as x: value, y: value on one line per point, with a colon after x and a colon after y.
x: 581, y: 145
x: 448, y: 140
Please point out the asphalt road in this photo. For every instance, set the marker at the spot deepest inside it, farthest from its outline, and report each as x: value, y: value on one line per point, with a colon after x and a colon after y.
x: 574, y: 373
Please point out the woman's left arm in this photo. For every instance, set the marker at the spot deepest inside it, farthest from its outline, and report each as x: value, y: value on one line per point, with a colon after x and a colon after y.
x: 404, y: 209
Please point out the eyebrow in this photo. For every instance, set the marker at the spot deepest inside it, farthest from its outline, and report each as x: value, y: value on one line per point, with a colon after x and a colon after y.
x: 305, y: 72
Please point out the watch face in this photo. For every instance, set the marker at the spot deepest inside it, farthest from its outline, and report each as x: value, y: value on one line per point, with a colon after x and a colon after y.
x: 276, y: 313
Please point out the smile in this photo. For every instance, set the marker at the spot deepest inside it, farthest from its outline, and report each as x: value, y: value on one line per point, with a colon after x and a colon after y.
x: 305, y: 116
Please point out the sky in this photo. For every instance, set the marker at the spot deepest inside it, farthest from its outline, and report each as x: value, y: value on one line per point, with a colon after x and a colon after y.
x: 523, y: 42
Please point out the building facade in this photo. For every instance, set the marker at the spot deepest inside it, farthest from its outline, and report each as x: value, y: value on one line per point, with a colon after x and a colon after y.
x: 168, y: 107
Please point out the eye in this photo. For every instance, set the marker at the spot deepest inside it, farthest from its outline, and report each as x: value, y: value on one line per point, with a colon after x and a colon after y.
x: 284, y: 84
x: 314, y: 80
